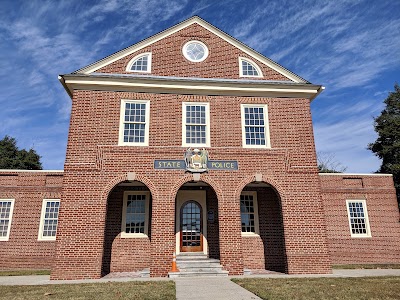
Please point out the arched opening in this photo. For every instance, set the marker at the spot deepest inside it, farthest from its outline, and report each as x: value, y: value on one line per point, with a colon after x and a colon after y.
x: 128, y: 228
x: 196, y: 219
x: 262, y: 228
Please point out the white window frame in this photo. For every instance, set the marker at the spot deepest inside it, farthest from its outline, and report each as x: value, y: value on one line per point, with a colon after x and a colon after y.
x: 364, y: 204
x: 42, y: 219
x: 122, y: 122
x: 206, y: 52
x: 133, y: 60
x: 260, y: 74
x: 6, y: 238
x: 256, y: 222
x: 207, y: 111
x: 124, y: 234
x: 266, y: 126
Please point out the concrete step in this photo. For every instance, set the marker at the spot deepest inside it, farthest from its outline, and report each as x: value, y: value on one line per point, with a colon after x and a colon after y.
x: 198, y: 274
x: 197, y: 265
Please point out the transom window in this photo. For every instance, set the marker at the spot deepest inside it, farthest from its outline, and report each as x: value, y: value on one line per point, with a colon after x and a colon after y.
x: 255, y: 131
x: 135, y: 214
x: 134, y: 123
x: 49, y: 219
x: 248, y: 68
x: 249, y: 212
x: 195, y: 51
x: 6, y: 211
x: 140, y: 63
x: 196, y: 128
x: 358, y: 218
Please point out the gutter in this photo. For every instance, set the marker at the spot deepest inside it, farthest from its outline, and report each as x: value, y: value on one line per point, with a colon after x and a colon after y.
x: 319, y: 91
x: 62, y: 80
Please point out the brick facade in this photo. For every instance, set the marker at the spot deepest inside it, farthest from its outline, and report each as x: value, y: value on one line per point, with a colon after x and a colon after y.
x: 293, y: 235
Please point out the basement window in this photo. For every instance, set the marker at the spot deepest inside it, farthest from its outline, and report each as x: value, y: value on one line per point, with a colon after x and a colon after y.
x: 358, y: 218
x: 49, y: 220
x: 140, y: 63
x: 6, y: 212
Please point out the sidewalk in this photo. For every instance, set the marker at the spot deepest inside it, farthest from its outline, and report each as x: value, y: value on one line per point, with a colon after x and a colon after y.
x: 199, y: 288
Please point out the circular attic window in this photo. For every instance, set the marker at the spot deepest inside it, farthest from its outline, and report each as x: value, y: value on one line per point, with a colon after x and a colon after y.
x: 195, y: 51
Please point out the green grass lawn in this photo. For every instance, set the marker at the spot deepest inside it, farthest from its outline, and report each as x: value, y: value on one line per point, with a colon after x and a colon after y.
x: 377, y: 288
x: 24, y: 272
x: 138, y: 290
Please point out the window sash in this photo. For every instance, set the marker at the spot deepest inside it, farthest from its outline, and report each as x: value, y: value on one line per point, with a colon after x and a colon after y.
x: 358, y: 218
x: 6, y: 212
x: 49, y: 219
x: 195, y: 121
x: 249, y: 213
x: 135, y: 214
x: 134, y: 122
x: 255, y: 130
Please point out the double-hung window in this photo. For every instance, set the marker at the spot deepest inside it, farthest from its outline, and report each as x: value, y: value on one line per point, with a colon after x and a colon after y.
x: 195, y: 124
x: 134, y: 122
x: 249, y: 213
x: 135, y: 214
x: 255, y: 129
x: 49, y: 220
x: 358, y: 218
x: 6, y: 212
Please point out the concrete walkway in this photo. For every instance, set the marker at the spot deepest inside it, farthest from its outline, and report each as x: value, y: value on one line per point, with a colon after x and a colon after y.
x: 199, y: 288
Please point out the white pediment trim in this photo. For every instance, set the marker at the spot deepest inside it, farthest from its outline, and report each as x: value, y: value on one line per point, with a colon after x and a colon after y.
x: 163, y: 34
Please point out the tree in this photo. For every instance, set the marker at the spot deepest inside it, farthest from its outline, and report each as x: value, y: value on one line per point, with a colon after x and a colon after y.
x: 328, y: 164
x: 13, y: 158
x: 387, y: 145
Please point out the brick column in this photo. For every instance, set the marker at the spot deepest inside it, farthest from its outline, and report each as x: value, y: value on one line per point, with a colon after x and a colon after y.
x: 230, y: 239
x: 162, y: 234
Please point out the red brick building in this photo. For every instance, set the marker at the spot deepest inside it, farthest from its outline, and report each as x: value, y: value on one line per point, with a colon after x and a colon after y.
x: 190, y: 141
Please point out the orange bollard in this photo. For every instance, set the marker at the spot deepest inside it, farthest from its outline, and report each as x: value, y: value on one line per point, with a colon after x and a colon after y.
x: 174, y: 268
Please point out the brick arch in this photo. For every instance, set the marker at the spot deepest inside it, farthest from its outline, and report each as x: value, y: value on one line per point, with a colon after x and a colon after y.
x: 267, y: 179
x: 116, y: 180
x: 203, y: 177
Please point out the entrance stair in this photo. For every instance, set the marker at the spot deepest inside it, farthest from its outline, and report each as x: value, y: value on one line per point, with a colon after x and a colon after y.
x: 195, y: 264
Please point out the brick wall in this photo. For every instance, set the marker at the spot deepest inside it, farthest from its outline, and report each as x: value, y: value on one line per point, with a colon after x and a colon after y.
x: 384, y: 244
x: 23, y: 250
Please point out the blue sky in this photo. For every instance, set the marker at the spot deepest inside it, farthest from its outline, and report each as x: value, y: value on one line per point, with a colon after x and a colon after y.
x: 350, y: 47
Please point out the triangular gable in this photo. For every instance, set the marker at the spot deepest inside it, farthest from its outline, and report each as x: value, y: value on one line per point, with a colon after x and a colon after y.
x: 193, y: 20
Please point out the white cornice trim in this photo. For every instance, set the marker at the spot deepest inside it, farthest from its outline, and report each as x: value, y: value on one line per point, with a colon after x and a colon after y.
x: 354, y: 174
x: 187, y: 86
x: 138, y: 46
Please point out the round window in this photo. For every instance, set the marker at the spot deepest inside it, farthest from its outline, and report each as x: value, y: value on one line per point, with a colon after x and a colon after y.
x: 195, y: 51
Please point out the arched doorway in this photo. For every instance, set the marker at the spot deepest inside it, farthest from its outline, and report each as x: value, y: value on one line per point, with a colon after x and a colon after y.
x: 262, y: 228
x: 127, y: 233
x: 196, y: 219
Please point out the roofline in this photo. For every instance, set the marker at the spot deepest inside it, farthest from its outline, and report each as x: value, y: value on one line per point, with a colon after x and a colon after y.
x: 356, y: 174
x: 182, y: 85
x: 195, y: 19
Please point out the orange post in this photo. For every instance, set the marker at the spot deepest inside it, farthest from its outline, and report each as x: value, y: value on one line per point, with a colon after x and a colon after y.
x: 174, y: 268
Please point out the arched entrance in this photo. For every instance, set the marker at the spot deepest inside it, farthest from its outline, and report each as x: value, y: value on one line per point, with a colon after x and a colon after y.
x: 196, y: 219
x: 262, y: 228
x: 127, y: 234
